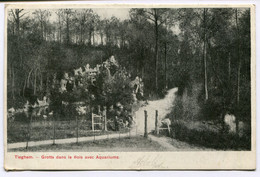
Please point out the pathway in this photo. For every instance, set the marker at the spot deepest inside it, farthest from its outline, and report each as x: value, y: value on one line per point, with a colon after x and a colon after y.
x: 67, y: 140
x: 163, y: 106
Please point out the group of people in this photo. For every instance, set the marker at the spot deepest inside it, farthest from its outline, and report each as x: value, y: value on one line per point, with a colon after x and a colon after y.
x: 119, y: 117
x: 138, y: 91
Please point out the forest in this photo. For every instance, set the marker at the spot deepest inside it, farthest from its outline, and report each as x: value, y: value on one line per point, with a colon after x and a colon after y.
x: 205, y: 52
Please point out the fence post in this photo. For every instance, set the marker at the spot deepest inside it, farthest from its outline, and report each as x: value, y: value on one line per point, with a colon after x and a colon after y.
x: 118, y: 127
x: 156, y: 123
x: 93, y: 128
x: 145, y: 124
x: 98, y: 110
x: 28, y: 132
x: 105, y: 118
x: 77, y: 129
x: 135, y: 125
x: 92, y: 118
x: 54, y: 131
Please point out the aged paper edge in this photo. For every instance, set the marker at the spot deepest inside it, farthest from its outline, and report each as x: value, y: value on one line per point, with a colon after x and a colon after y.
x: 201, y: 160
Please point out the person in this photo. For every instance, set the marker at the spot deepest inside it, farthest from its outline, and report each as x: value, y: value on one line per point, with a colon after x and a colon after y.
x: 127, y: 118
x: 87, y: 68
x: 63, y: 83
x: 116, y: 123
x: 70, y: 85
x: 111, y: 118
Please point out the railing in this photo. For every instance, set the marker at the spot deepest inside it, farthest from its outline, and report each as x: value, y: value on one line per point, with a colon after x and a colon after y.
x: 51, y: 128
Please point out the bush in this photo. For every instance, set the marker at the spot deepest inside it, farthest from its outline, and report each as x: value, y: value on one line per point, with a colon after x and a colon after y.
x: 210, y: 139
x: 198, y: 122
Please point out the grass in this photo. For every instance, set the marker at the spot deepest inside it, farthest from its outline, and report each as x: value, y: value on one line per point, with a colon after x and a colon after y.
x: 43, y: 130
x: 133, y: 144
x: 183, y: 131
x: 200, y: 125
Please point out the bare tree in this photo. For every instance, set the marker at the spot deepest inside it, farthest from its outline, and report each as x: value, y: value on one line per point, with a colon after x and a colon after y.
x: 81, y: 17
x: 238, y: 66
x: 17, y: 14
x: 157, y: 17
x: 67, y: 19
x: 205, y: 54
x: 42, y: 16
x: 60, y: 23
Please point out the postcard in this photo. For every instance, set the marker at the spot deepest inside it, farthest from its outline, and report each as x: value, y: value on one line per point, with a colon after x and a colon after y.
x: 129, y: 87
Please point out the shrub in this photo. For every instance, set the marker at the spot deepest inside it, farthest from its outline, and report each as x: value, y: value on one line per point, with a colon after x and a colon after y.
x: 198, y: 122
x: 210, y: 139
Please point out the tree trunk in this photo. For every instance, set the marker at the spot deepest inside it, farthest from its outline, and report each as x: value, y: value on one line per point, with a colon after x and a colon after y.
x: 28, y: 79
x: 67, y: 30
x: 93, y: 38
x: 13, y: 83
x: 238, y: 70
x: 122, y: 42
x: 24, y: 86
x: 101, y: 36
x: 115, y: 40
x: 165, y: 65
x: 13, y: 27
x: 17, y: 19
x: 10, y: 72
x: 156, y: 52
x: 59, y: 31
x: 42, y: 31
x: 89, y: 37
x: 45, y: 34
x: 107, y: 39
x: 205, y: 57
x: 81, y: 34
x: 229, y: 67
x: 34, y: 85
x: 17, y: 23
x: 41, y: 84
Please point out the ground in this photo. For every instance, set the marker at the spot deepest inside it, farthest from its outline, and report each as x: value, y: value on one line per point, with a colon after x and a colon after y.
x: 133, y: 144
x: 163, y: 106
x: 40, y: 130
x: 172, y: 144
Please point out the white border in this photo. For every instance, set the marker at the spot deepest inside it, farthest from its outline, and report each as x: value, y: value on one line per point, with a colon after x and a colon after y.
x: 165, y: 173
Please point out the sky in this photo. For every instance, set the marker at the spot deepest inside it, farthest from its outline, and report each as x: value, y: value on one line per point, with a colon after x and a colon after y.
x: 122, y: 13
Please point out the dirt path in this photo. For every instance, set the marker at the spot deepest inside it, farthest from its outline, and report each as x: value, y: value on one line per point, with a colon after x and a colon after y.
x: 163, y: 106
x: 67, y: 140
x: 176, y: 145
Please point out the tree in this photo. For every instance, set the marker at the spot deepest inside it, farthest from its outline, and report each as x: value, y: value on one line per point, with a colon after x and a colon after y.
x: 42, y: 16
x: 123, y: 27
x: 101, y: 29
x: 205, y: 54
x: 67, y: 19
x: 91, y: 19
x: 17, y: 14
x: 157, y: 17
x: 81, y: 18
x: 60, y: 23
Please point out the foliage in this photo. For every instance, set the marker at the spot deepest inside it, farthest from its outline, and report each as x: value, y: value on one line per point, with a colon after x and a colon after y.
x: 210, y: 139
x: 175, y: 47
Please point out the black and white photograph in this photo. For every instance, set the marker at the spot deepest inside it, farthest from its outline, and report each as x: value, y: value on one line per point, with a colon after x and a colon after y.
x: 129, y: 79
